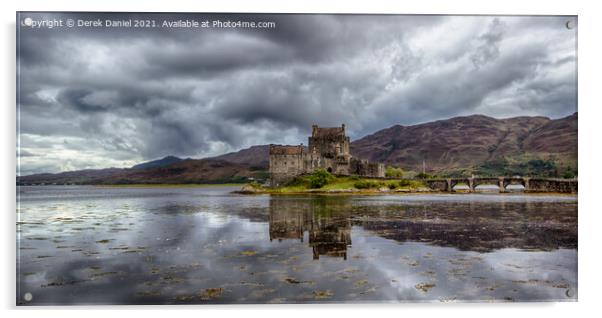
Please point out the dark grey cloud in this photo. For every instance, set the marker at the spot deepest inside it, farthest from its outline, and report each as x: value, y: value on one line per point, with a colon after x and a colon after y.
x: 97, y: 98
x: 488, y: 49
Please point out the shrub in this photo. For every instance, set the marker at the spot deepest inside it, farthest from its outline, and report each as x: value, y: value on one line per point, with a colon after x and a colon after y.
x: 392, y: 172
x: 257, y: 168
x: 392, y: 186
x: 405, y: 183
x: 255, y: 184
x: 569, y: 174
x: 297, y: 181
x: 423, y: 175
x: 319, y: 178
x: 366, y: 184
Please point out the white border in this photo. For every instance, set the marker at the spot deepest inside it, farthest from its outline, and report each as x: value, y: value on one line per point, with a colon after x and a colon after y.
x: 589, y: 152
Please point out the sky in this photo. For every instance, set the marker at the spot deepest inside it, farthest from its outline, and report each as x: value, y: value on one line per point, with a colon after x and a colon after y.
x: 98, y: 97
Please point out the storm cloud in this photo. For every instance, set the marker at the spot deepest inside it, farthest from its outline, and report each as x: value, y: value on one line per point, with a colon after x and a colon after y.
x: 113, y: 97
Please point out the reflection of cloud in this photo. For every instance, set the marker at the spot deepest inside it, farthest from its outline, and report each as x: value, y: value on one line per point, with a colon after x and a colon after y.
x: 191, y: 239
x: 123, y: 96
x: 471, y: 276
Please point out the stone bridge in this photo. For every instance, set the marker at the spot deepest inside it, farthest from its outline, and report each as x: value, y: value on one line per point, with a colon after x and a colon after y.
x: 530, y: 184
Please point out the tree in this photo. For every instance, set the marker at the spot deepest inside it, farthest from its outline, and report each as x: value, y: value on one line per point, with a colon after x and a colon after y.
x: 320, y: 178
x: 569, y: 173
x: 393, y: 172
x: 423, y: 175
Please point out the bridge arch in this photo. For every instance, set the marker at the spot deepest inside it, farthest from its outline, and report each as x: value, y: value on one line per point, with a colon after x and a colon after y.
x: 460, y: 185
x: 486, y: 183
x: 514, y: 181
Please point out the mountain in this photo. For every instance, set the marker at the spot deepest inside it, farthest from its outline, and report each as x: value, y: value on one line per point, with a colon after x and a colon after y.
x: 186, y: 171
x: 476, y: 144
x: 158, y: 163
x: 86, y: 176
x: 556, y: 136
x: 183, y: 171
x: 255, y: 156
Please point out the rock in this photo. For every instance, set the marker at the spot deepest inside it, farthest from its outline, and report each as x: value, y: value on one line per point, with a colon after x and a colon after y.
x: 248, y: 189
x: 383, y: 189
x: 424, y: 190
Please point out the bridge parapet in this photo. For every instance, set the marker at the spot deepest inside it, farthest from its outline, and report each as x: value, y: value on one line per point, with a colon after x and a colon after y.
x: 441, y: 185
x: 529, y: 184
x: 552, y: 185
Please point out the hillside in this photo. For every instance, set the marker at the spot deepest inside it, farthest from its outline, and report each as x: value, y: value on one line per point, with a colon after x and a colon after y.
x: 186, y: 171
x: 183, y: 171
x: 255, y: 157
x: 86, y: 176
x: 475, y: 144
x: 158, y: 163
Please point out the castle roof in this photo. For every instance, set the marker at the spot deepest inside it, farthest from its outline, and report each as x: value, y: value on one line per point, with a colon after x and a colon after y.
x: 328, y: 131
x: 286, y: 150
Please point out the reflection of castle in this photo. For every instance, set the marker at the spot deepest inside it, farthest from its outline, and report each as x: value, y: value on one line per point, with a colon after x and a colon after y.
x: 328, y: 235
x: 287, y: 223
x: 328, y: 149
x: 467, y: 226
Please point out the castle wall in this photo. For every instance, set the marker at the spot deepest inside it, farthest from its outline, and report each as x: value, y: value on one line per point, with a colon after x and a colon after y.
x: 329, y: 146
x: 314, y: 162
x: 366, y: 168
x: 292, y: 164
x: 286, y: 162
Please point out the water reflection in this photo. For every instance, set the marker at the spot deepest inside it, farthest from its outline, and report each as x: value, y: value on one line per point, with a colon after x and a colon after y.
x: 466, y: 225
x: 82, y: 245
x: 327, y: 222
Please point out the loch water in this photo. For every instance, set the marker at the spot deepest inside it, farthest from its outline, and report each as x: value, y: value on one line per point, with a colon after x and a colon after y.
x: 196, y: 245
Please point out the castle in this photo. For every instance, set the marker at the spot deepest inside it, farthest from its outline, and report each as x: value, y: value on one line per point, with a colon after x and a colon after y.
x: 328, y: 148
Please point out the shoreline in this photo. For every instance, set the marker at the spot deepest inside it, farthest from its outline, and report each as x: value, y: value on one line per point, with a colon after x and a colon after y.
x: 168, y: 185
x: 353, y: 192
x: 138, y: 185
x: 276, y: 191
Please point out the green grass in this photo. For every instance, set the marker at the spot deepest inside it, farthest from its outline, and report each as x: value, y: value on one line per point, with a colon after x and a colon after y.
x: 347, y: 183
x: 341, y: 183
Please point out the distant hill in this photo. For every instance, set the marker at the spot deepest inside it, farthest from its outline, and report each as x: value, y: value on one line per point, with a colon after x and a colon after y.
x: 87, y: 176
x: 183, y: 171
x: 186, y: 171
x: 255, y: 156
x: 458, y: 146
x: 158, y: 163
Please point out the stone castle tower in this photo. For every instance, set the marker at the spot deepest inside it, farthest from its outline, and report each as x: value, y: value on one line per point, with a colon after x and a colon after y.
x: 328, y: 148
x: 329, y: 142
